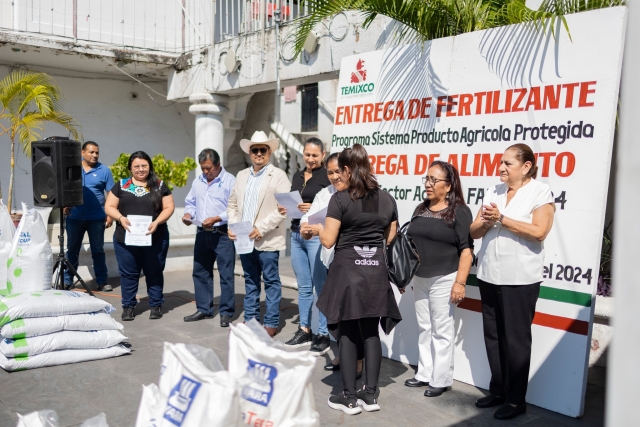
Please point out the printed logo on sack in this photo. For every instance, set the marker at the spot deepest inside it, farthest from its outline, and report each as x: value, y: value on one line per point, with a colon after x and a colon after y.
x: 366, y: 252
x: 260, y: 389
x: 24, y: 238
x: 180, y: 400
x: 358, y: 80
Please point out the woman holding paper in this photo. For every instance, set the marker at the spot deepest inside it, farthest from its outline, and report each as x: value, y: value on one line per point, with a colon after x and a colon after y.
x: 357, y: 296
x: 305, y: 254
x: 147, y: 200
x: 515, y: 219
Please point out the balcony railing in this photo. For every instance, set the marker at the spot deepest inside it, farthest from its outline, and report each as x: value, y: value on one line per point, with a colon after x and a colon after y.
x: 238, y: 17
x: 164, y: 25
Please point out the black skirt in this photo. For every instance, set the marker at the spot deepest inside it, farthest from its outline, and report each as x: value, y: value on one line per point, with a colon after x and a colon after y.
x: 358, y: 287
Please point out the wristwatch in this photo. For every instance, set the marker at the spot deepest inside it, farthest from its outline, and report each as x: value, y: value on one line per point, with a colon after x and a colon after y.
x: 499, y: 221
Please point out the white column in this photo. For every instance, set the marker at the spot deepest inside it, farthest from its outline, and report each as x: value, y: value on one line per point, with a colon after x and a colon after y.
x: 209, y: 110
x: 623, y: 368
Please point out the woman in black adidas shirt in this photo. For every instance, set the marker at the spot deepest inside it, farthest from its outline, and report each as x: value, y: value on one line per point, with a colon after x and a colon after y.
x: 357, y: 295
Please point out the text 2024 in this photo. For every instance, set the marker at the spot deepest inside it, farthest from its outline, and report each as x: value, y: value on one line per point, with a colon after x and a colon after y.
x: 567, y: 273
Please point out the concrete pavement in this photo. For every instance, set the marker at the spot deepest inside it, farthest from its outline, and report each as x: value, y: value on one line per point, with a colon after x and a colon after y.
x: 80, y: 391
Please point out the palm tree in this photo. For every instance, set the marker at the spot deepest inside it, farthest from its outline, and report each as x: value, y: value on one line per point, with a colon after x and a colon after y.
x: 421, y: 20
x: 29, y: 100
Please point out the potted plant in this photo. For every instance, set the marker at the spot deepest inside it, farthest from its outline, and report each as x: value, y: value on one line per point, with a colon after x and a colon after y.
x: 172, y: 173
x: 28, y: 100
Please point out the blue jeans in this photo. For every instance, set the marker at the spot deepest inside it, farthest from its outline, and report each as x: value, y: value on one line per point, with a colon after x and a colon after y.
x: 132, y: 260
x: 265, y: 264
x: 310, y: 273
x: 75, y: 233
x: 210, y: 247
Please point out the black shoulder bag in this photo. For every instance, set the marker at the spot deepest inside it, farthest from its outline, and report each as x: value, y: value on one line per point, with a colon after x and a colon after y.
x: 401, y: 255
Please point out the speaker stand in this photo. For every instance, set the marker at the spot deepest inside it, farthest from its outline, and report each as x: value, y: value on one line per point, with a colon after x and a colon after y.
x: 62, y: 262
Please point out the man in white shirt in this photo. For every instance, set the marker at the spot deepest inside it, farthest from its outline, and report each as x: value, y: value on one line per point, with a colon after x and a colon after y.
x: 206, y: 203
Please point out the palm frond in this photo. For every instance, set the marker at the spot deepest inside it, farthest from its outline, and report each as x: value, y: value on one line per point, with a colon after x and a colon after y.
x: 421, y: 20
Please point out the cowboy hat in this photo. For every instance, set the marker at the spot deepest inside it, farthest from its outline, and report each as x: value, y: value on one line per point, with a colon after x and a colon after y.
x: 258, y: 137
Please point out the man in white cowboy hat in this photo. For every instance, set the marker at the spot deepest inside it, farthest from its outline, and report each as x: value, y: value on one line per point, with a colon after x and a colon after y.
x: 252, y: 199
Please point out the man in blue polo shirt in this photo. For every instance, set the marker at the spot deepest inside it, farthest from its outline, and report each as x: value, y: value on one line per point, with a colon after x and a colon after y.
x: 90, y: 216
x: 206, y: 205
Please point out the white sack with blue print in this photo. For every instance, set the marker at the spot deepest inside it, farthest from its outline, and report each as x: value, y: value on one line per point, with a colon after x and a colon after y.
x: 274, y: 381
x: 194, y: 391
x: 30, y: 261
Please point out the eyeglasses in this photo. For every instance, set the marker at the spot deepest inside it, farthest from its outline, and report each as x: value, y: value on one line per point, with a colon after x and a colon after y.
x: 140, y: 167
x: 259, y: 150
x: 432, y: 181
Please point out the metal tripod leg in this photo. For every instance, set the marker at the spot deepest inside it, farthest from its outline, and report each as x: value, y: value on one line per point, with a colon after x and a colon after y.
x: 74, y: 274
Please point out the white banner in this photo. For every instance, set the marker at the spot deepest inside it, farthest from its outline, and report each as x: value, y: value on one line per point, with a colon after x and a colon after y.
x: 464, y: 100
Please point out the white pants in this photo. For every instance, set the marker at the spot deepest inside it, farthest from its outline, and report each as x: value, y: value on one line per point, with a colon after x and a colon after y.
x: 437, y: 329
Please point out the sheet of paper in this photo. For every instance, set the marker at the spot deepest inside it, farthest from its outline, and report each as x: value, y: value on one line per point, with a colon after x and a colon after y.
x: 243, y: 244
x: 318, y: 217
x: 291, y: 202
x: 196, y: 222
x: 137, y: 236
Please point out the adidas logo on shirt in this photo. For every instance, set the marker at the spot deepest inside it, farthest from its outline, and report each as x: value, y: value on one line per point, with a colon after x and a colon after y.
x: 366, y: 252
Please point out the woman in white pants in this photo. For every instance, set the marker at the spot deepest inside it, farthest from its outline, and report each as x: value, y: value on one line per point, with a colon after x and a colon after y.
x: 440, y: 230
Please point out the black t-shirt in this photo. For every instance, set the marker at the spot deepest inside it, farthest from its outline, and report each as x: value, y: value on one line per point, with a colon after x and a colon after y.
x: 135, y: 200
x: 439, y: 246
x: 308, y: 191
x: 362, y: 221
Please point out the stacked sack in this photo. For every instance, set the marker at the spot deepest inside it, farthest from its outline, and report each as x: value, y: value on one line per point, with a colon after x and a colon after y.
x: 54, y: 327
x: 267, y: 385
x: 40, y: 326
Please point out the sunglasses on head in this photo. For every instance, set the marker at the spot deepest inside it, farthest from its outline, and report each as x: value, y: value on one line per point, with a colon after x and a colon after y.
x: 259, y: 150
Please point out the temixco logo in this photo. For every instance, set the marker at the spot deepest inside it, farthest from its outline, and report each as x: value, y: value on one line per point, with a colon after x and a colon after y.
x: 358, y: 81
x: 366, y: 252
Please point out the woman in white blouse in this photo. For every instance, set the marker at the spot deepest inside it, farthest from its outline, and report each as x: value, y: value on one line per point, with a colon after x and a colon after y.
x: 515, y: 218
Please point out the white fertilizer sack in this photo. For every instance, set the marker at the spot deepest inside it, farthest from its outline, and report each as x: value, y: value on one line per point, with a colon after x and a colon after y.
x: 33, y: 327
x: 275, y: 387
x: 49, y: 303
x: 7, y: 231
x: 60, y: 357
x: 150, y: 400
x: 194, y: 390
x: 30, y: 262
x: 62, y: 340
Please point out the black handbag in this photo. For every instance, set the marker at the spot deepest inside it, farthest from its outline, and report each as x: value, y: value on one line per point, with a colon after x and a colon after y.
x: 402, y: 257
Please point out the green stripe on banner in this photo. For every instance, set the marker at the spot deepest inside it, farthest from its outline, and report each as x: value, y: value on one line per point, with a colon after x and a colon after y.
x: 552, y: 294
x: 563, y: 295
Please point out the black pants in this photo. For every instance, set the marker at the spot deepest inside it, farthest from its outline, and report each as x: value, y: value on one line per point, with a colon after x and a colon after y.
x: 507, y: 315
x: 349, y: 334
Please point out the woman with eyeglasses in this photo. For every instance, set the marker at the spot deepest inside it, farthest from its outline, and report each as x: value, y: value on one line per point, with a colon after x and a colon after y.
x: 141, y: 194
x: 305, y: 253
x: 440, y: 230
x: 515, y: 219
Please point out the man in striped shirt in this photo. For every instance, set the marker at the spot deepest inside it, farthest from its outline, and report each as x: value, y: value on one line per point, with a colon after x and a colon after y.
x: 252, y: 200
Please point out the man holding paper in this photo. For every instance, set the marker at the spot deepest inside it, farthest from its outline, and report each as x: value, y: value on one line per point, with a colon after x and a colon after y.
x: 253, y: 206
x: 206, y: 207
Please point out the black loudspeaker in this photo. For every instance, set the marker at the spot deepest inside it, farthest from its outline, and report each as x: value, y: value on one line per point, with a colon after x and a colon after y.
x: 56, y: 171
